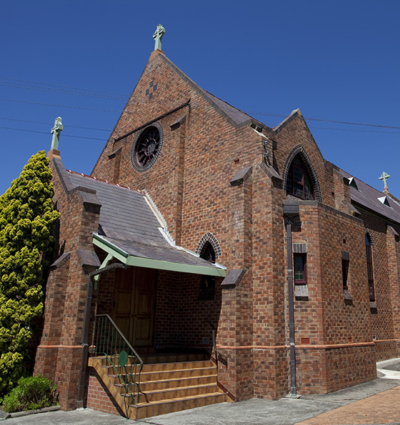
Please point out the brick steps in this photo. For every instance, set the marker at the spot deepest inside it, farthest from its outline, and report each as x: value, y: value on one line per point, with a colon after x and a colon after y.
x: 175, y: 393
x: 165, y: 387
x: 145, y: 410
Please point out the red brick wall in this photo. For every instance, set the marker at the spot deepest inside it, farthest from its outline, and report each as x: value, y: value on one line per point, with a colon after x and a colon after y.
x: 190, y: 184
x: 58, y: 356
x: 99, y: 398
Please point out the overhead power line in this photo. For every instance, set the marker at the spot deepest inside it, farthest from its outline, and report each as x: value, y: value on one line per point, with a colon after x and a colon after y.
x: 48, y: 124
x: 109, y: 131
x: 357, y: 131
x: 62, y: 91
x: 100, y: 94
x: 47, y: 133
x: 59, y: 106
x: 65, y: 87
x: 323, y: 120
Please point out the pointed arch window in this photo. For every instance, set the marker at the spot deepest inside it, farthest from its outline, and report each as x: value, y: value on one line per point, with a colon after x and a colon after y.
x: 208, y: 253
x: 371, y: 286
x: 299, y: 181
x: 207, y: 290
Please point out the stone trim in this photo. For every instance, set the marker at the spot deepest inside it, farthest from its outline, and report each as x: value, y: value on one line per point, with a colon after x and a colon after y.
x: 233, y: 277
x: 114, y: 154
x: 64, y: 258
x: 345, y: 255
x: 300, y: 248
x: 240, y: 176
x: 391, y: 229
x: 209, y: 237
x: 299, y: 149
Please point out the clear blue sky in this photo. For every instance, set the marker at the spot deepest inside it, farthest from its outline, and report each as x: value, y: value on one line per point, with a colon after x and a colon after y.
x: 334, y: 60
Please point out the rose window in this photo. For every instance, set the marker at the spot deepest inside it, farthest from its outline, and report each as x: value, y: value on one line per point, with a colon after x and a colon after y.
x: 146, y: 148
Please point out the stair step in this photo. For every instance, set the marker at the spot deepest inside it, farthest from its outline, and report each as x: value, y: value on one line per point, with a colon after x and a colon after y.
x: 153, y: 367
x: 178, y: 382
x: 164, y: 387
x: 172, y: 358
x: 145, y: 410
x: 175, y: 393
x: 106, y: 363
x: 164, y: 367
x: 169, y: 374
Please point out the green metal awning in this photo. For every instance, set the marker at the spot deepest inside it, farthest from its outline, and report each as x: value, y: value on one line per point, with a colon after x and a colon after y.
x: 189, y: 263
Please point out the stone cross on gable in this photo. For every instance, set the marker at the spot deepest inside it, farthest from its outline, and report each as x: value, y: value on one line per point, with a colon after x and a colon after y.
x: 55, y: 131
x: 158, y: 35
x: 384, y: 177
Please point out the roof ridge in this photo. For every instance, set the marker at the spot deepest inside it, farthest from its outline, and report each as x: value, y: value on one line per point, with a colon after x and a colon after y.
x: 234, y: 107
x: 105, y: 181
x: 212, y: 99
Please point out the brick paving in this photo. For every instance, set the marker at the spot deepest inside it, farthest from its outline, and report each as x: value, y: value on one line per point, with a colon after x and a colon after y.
x: 382, y: 408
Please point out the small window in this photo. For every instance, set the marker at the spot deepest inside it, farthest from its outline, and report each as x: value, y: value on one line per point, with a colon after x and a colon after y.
x: 300, y: 269
x: 345, y: 273
x: 299, y: 181
x: 370, y: 270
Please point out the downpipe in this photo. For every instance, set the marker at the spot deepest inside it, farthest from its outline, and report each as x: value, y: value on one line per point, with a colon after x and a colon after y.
x: 86, y: 323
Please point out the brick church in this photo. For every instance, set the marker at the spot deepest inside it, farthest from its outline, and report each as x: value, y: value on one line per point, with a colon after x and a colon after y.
x: 169, y: 286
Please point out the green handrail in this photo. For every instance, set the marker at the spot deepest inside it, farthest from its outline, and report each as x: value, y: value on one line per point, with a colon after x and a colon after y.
x: 109, y: 341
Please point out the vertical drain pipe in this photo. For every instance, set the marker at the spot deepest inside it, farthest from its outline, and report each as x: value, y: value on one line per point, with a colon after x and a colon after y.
x: 290, y: 211
x: 86, y: 322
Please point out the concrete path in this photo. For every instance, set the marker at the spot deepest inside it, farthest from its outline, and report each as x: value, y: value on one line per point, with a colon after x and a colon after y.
x: 375, y: 402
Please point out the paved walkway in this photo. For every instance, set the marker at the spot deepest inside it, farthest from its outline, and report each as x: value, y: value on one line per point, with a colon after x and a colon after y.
x: 382, y: 408
x: 376, y: 402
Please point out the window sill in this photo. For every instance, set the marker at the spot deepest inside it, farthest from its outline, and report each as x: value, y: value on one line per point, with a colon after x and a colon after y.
x: 301, y: 292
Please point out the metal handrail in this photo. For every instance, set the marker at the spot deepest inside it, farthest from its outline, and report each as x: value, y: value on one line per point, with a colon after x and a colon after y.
x: 109, y: 341
x: 217, y: 353
x: 123, y: 337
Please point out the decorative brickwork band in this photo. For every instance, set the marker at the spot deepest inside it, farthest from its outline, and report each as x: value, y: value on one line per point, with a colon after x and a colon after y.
x: 209, y: 237
x: 299, y: 150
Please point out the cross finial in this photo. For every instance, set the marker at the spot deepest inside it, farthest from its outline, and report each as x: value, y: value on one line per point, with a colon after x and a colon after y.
x: 158, y: 35
x: 55, y: 131
x: 384, y: 177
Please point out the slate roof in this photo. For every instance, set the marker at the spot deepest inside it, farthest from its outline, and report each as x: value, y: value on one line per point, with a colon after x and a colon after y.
x: 238, y: 116
x: 235, y: 115
x: 127, y: 221
x: 367, y: 196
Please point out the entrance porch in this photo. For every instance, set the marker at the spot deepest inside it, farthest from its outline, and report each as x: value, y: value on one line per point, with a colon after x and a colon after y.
x: 162, y: 322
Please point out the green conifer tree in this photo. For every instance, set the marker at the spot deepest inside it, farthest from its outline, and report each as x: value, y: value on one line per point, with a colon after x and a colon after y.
x: 27, y: 222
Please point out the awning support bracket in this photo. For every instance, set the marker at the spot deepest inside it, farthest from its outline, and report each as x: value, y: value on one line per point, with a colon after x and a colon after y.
x: 103, y: 264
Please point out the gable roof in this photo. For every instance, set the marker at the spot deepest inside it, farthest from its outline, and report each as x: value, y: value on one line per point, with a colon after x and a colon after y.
x: 129, y: 228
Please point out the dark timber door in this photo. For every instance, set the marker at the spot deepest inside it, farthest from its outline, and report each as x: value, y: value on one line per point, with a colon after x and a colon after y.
x: 134, y: 304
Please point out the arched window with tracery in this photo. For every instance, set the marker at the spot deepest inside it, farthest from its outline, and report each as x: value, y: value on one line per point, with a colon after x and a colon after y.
x: 368, y: 247
x: 298, y: 180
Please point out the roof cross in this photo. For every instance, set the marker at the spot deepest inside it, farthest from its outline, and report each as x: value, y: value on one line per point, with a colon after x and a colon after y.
x: 158, y: 35
x: 384, y: 177
x: 55, y: 131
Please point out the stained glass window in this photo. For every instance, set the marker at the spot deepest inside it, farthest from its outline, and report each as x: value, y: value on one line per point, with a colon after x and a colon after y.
x: 299, y: 182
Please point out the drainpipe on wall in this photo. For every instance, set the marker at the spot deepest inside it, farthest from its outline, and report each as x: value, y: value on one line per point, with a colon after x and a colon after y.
x: 290, y: 211
x: 86, y: 322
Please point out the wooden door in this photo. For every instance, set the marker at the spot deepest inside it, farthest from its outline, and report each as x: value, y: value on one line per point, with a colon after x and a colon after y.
x: 134, y: 300
x: 144, y: 300
x: 122, y: 313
